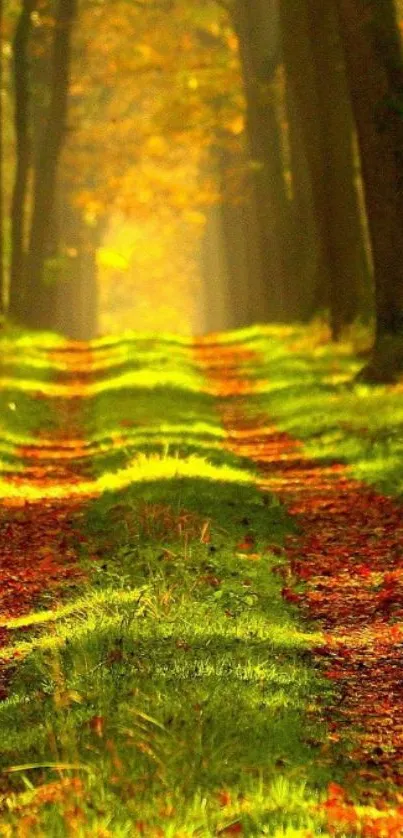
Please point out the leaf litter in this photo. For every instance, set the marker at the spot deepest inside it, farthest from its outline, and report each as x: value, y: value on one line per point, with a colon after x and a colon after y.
x: 39, y: 556
x: 345, y: 572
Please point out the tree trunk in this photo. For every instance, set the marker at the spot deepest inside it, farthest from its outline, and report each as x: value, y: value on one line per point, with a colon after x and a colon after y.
x: 241, y: 284
x: 2, y: 289
x: 311, y: 41
x: 76, y: 296
x: 303, y: 95
x: 307, y: 250
x: 46, y: 165
x: 248, y: 296
x: 374, y: 59
x: 256, y: 26
x: 17, y: 292
x: 214, y: 271
x: 345, y: 242
x: 76, y: 288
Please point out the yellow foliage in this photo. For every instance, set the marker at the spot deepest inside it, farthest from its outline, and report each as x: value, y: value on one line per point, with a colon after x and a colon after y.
x: 157, y: 145
x: 108, y: 258
x: 232, y: 41
x: 147, y: 104
x: 192, y: 83
x: 237, y: 124
x: 195, y: 217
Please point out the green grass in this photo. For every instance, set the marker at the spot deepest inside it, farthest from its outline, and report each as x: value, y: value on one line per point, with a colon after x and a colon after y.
x: 201, y: 688
x: 21, y: 414
x: 174, y: 693
x: 308, y: 388
x: 187, y: 653
x: 175, y: 684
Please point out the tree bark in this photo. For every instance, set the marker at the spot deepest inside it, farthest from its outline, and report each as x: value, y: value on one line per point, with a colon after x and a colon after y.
x: 76, y: 291
x: 375, y: 67
x: 215, y: 275
x: 307, y: 253
x: 249, y: 301
x: 345, y: 241
x: 256, y: 26
x: 47, y: 162
x: 303, y: 96
x: 311, y: 41
x: 2, y: 288
x: 17, y: 292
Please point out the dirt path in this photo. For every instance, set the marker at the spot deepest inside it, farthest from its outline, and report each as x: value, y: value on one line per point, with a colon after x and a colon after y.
x: 38, y: 555
x: 349, y: 557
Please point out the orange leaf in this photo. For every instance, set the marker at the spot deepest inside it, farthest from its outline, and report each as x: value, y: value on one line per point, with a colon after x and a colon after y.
x: 336, y: 792
x: 232, y: 829
x: 96, y: 724
x: 246, y: 543
x: 224, y: 798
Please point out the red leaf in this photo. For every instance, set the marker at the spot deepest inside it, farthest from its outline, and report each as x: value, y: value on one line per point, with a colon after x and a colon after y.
x: 290, y: 596
x: 247, y: 543
x: 211, y: 580
x: 96, y: 724
x: 232, y: 829
x: 275, y: 549
x: 336, y: 792
x: 224, y: 798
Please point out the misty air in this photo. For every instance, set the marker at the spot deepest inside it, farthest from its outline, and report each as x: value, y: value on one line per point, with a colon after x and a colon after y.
x: 201, y: 418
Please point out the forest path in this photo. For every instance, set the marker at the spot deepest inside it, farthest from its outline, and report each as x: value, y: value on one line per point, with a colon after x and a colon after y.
x: 38, y: 557
x: 161, y: 539
x: 348, y: 556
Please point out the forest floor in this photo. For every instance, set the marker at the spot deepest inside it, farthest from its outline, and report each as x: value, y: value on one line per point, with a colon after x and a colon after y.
x: 201, y: 601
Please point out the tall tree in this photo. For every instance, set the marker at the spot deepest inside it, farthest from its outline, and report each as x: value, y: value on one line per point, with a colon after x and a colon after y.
x: 2, y: 289
x: 320, y: 98
x: 45, y: 182
x: 373, y: 52
x: 23, y: 157
x: 257, y: 27
x: 306, y: 251
x: 76, y: 297
x: 249, y: 301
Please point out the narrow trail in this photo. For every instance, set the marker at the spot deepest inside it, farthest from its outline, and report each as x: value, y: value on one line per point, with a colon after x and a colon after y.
x: 38, y: 558
x: 343, y: 568
x: 348, y: 555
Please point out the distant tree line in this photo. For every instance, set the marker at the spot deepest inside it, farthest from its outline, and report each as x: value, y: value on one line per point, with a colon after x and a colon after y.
x: 313, y: 220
